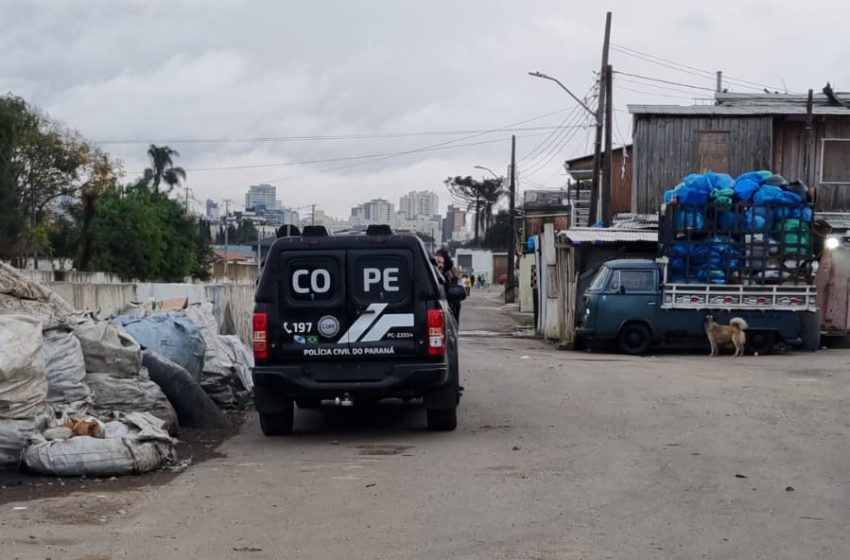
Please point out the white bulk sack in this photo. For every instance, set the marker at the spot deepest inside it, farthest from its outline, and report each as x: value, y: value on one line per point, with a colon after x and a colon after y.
x: 23, y: 385
x: 136, y: 443
x: 65, y: 367
x: 108, y: 347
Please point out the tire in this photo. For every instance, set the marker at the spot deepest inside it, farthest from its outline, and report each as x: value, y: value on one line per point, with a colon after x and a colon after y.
x: 761, y: 342
x: 634, y: 339
x: 307, y: 404
x: 442, y: 420
x: 278, y: 423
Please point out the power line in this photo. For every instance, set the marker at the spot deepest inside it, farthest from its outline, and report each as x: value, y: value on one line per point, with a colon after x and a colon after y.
x: 673, y: 89
x: 655, y: 93
x: 553, y: 137
x: 397, y: 154
x: 376, y: 157
x: 537, y: 150
x: 332, y: 160
x: 381, y: 157
x: 542, y: 165
x: 689, y: 72
x: 659, y: 80
x: 333, y: 138
x: 708, y: 72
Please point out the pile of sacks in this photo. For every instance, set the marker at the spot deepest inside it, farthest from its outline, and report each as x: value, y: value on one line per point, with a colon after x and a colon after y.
x: 61, y: 370
x: 754, y: 229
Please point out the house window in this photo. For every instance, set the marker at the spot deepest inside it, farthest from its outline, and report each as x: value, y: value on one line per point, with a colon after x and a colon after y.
x: 835, y: 160
x: 713, y: 151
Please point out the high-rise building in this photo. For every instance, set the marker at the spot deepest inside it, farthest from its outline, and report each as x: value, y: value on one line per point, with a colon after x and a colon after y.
x: 264, y: 196
x: 213, y: 213
x: 281, y: 217
x: 419, y: 204
x: 453, y: 223
x: 379, y: 211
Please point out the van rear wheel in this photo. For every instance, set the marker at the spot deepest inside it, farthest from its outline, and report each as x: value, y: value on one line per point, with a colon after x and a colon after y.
x: 634, y: 339
x: 761, y: 342
x: 278, y: 423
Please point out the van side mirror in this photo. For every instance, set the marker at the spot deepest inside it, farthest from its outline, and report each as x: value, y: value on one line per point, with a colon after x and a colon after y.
x: 455, y: 292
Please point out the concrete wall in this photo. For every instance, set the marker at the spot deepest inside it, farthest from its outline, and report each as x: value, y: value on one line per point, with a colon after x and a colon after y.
x: 482, y: 262
x: 110, y: 299
x: 526, y: 299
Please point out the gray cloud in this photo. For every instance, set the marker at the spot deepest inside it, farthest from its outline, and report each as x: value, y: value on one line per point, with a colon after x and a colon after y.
x: 160, y: 70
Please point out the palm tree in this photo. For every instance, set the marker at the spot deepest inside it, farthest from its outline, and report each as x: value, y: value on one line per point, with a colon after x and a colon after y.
x: 162, y: 169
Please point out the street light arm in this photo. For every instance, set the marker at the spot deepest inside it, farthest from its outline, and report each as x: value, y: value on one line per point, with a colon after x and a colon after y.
x: 563, y: 87
x: 486, y: 169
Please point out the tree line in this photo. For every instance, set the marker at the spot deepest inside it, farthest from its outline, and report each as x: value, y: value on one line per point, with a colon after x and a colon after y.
x: 62, y: 197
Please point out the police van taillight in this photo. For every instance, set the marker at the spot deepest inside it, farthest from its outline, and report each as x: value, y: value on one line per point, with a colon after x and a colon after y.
x: 261, y: 336
x: 436, y: 333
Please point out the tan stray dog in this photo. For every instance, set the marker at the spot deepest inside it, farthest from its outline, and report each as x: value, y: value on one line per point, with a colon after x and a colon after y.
x: 724, y: 334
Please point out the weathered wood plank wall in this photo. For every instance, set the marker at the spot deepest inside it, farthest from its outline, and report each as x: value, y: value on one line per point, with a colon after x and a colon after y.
x: 666, y: 149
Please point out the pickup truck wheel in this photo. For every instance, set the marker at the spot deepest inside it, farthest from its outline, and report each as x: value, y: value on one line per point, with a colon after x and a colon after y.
x: 442, y: 420
x: 278, y: 423
x: 761, y: 341
x: 635, y: 339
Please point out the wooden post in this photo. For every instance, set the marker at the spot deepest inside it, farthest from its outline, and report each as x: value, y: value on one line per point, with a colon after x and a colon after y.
x: 809, y: 151
x: 511, y: 280
x: 607, y: 173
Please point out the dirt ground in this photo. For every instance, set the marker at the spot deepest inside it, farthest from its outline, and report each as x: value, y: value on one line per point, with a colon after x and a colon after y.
x: 196, y: 446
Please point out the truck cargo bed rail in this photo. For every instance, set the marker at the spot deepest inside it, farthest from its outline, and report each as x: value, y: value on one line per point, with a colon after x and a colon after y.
x: 732, y: 297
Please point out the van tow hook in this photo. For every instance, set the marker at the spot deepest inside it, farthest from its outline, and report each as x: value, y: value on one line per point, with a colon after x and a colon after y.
x: 344, y: 401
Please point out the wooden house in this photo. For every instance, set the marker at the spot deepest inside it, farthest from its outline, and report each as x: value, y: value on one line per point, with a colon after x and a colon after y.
x: 743, y: 132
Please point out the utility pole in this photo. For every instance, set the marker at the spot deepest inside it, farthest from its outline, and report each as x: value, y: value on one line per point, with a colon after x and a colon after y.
x: 259, y: 251
x: 509, y: 286
x: 187, y: 198
x: 313, y: 214
x: 226, y: 228
x: 477, y: 216
x: 809, y: 149
x: 597, y: 144
x: 607, y: 175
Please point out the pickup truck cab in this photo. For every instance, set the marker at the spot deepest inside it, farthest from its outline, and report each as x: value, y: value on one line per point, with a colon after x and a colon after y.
x: 353, y: 318
x: 627, y: 303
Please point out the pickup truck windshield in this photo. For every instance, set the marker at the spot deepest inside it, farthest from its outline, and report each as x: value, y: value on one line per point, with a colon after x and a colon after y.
x: 599, y: 280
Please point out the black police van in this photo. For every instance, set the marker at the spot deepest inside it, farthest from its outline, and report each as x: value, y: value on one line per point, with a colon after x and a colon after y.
x: 353, y: 318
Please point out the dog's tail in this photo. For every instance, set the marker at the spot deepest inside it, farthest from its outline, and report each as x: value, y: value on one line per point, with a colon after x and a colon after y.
x: 739, y: 323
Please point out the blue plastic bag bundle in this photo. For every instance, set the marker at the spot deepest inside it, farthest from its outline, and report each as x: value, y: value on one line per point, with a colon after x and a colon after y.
x: 689, y: 217
x: 758, y: 219
x: 745, y: 189
x: 805, y: 214
x: 724, y: 253
x: 711, y: 276
x: 728, y: 221
x: 748, y: 183
x: 172, y: 335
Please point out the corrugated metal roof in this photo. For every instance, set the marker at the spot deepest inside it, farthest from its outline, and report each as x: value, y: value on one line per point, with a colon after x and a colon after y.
x: 837, y: 220
x: 636, y: 221
x: 735, y: 110
x: 607, y: 235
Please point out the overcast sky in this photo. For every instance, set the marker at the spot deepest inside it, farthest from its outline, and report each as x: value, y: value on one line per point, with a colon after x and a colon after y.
x: 151, y: 71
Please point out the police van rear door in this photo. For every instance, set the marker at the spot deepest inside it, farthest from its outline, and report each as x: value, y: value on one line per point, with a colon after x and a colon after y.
x: 313, y: 308
x: 381, y: 303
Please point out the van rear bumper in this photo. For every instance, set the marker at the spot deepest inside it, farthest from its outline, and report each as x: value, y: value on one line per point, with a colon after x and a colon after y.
x: 364, y: 379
